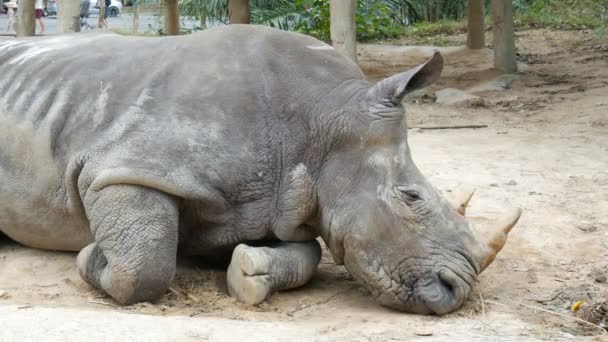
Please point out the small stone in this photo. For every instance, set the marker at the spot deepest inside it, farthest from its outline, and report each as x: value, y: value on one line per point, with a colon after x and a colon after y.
x: 512, y: 182
x: 494, y: 185
x: 532, y: 278
x: 423, y: 333
x: 587, y: 228
x: 3, y: 294
x: 599, y: 275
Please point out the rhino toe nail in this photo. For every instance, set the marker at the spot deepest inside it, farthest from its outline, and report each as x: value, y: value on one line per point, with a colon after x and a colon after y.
x: 252, y: 260
x: 247, y: 280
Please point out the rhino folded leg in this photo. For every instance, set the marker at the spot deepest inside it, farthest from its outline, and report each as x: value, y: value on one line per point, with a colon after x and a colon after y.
x: 256, y: 272
x: 133, y: 258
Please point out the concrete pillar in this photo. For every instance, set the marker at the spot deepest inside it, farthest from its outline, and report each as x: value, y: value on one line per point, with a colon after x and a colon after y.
x: 135, y: 26
x: 26, y: 26
x: 171, y: 12
x: 238, y: 11
x: 343, y: 27
x: 476, y: 38
x: 504, y: 36
x: 68, y: 16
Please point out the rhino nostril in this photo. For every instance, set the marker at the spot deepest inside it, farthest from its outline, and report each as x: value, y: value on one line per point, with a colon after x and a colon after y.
x: 443, y: 294
x: 449, y: 283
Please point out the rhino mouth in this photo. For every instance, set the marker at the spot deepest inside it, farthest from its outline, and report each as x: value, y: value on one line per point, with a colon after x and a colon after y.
x: 414, y: 285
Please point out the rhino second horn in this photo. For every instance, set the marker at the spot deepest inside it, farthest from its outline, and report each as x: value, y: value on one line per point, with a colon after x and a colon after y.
x: 460, y: 198
x: 497, y: 236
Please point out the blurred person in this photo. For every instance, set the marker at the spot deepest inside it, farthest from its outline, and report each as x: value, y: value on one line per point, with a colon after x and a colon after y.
x: 39, y: 13
x: 10, y: 12
x: 106, y: 13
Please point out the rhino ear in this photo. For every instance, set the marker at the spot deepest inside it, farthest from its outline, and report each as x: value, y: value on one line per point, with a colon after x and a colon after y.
x: 394, y: 88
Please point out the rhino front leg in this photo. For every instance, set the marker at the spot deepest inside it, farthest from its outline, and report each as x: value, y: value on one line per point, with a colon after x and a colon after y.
x: 133, y: 257
x: 256, y: 272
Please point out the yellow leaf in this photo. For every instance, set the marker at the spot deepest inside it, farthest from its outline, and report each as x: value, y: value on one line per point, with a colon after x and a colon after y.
x: 576, y: 306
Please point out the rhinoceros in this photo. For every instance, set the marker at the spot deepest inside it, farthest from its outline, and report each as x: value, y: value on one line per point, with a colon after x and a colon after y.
x: 242, y: 141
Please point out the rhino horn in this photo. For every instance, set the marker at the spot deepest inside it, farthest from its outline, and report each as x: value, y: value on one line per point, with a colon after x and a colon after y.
x: 495, y: 236
x: 460, y: 199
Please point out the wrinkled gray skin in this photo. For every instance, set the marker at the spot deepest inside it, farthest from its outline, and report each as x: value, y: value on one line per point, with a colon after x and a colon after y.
x: 128, y: 149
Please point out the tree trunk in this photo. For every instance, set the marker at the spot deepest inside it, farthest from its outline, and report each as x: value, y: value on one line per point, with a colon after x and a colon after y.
x: 504, y: 36
x: 476, y: 38
x: 68, y: 16
x: 135, y: 27
x: 238, y: 10
x: 203, y: 19
x: 343, y: 28
x: 171, y: 17
x: 26, y: 24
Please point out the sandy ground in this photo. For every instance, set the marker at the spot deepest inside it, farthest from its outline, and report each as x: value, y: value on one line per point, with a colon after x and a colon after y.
x: 545, y: 149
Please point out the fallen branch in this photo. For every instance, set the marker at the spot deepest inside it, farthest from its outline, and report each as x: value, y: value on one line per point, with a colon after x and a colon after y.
x: 450, y: 127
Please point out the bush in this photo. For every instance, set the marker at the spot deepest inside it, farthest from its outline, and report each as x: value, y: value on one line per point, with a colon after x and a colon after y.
x: 373, y: 18
x: 563, y: 14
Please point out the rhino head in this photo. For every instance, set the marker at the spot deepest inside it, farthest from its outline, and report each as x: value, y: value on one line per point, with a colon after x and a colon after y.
x: 411, y: 248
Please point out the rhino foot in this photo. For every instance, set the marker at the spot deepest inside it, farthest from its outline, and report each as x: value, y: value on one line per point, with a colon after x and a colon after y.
x: 248, y: 275
x: 256, y: 272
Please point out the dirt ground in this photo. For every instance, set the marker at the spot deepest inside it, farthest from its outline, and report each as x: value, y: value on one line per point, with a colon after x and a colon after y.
x: 545, y: 149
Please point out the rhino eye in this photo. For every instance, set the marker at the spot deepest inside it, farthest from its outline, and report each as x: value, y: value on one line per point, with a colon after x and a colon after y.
x: 409, y: 194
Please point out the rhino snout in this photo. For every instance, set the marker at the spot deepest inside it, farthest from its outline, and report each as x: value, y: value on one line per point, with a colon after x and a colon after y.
x: 442, y: 294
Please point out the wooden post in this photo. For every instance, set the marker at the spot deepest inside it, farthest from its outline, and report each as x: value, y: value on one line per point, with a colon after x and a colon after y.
x: 343, y: 28
x: 68, y: 13
x: 504, y: 36
x: 171, y: 17
x: 476, y: 38
x: 238, y: 11
x: 26, y: 24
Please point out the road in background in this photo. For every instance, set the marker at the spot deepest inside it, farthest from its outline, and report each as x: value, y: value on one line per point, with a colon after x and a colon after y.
x: 148, y: 22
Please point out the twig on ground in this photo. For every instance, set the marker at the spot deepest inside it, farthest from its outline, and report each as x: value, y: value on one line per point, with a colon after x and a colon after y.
x: 483, y: 307
x: 450, y: 127
x: 184, y: 293
x: 305, y: 306
x: 533, y: 307
x: 100, y: 302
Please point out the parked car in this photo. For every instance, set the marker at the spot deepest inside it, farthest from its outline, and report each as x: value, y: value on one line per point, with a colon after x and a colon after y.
x: 115, y: 7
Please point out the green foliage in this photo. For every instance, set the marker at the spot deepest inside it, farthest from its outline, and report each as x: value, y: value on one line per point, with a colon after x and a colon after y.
x: 374, y: 19
x: 563, y: 14
x: 380, y: 19
x: 216, y: 10
x: 282, y: 14
x: 440, y: 27
x: 316, y: 18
